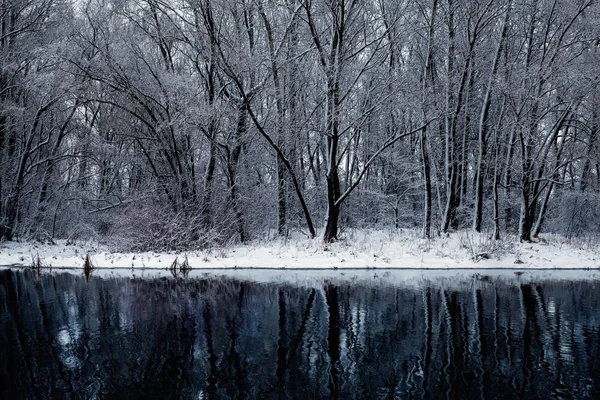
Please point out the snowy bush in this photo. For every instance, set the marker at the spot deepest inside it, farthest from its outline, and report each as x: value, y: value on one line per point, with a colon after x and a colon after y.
x: 153, y: 226
x: 575, y: 214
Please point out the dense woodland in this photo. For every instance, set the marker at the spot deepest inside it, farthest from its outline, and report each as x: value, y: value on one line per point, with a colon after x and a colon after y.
x: 187, y: 123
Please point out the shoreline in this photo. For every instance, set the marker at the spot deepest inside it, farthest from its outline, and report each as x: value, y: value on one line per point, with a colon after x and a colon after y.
x: 330, y: 269
x: 316, y: 278
x: 358, y: 250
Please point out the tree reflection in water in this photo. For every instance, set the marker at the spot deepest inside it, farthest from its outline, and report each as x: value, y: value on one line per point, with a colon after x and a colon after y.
x: 63, y: 337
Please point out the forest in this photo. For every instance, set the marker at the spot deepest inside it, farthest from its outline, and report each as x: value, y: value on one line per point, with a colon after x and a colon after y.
x: 172, y: 124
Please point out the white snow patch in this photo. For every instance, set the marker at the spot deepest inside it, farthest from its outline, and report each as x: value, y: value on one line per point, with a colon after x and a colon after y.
x: 358, y: 249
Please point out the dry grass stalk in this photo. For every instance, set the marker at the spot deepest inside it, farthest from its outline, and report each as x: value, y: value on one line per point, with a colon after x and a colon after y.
x: 173, y: 267
x: 37, y: 265
x: 185, y: 267
x: 88, y: 267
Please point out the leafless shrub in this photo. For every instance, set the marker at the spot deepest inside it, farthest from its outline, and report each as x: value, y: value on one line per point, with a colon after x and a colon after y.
x: 574, y: 214
x: 152, y: 226
x: 480, y: 246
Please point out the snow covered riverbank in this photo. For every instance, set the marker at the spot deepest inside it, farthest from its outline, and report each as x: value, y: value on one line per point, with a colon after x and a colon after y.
x: 357, y: 250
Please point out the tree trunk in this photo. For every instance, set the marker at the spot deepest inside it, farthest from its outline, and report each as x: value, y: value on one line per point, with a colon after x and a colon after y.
x: 496, y: 210
x: 591, y: 148
x: 483, y: 125
x: 427, y: 80
x: 281, y: 198
x: 333, y: 192
x: 232, y: 164
x: 451, y: 148
x: 507, y: 181
x: 427, y: 182
x: 526, y: 217
x: 208, y: 184
x: 281, y: 186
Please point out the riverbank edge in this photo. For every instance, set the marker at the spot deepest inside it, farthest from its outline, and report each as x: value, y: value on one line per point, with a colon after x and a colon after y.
x: 358, y: 249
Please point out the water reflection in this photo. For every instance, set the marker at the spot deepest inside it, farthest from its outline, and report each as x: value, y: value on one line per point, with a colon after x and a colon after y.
x: 63, y: 337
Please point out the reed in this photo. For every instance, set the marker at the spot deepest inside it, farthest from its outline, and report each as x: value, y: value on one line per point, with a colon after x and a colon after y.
x: 37, y: 265
x: 185, y: 267
x: 173, y: 267
x: 88, y: 267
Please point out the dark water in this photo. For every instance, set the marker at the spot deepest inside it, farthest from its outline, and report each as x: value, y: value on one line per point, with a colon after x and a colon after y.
x: 64, y: 337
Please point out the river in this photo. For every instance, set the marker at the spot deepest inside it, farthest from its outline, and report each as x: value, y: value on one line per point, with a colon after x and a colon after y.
x: 64, y: 336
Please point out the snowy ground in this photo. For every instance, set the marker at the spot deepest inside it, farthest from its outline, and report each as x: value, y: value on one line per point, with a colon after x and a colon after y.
x: 357, y: 250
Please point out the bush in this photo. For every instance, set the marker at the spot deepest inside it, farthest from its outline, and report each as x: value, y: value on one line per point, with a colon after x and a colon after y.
x: 575, y: 214
x: 151, y: 225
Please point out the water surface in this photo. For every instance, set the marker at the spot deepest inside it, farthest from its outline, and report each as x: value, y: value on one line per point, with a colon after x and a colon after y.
x: 62, y: 336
